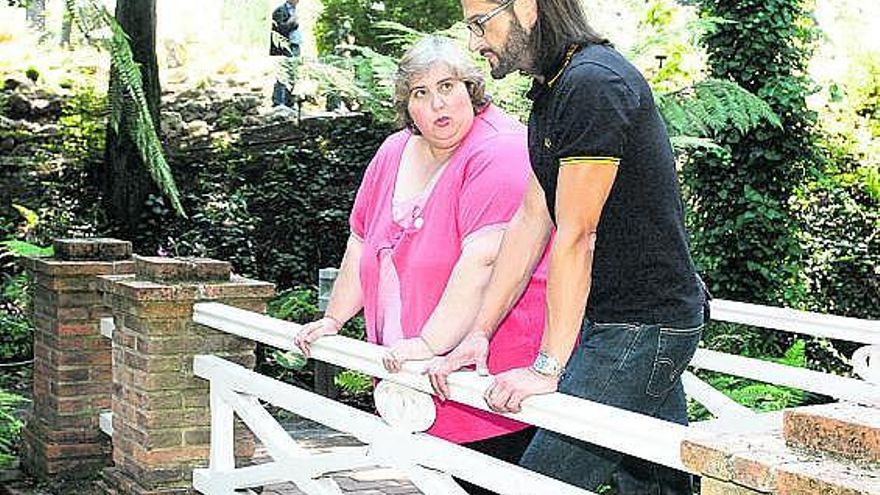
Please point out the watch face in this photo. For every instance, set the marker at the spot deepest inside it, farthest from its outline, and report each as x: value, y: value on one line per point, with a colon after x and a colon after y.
x: 546, y: 365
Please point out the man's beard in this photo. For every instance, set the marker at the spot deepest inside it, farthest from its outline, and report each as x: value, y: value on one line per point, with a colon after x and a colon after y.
x: 515, y: 53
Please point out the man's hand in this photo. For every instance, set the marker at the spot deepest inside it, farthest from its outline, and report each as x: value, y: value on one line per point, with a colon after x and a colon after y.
x: 513, y: 386
x: 405, y: 350
x: 473, y: 350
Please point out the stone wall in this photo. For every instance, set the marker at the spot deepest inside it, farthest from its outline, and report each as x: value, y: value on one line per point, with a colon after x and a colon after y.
x: 831, y: 449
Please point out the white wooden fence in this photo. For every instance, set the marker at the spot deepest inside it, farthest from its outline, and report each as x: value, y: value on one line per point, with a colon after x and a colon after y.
x: 394, y: 439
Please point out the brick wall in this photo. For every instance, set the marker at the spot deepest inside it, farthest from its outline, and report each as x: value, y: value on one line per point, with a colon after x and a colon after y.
x: 830, y: 449
x: 161, y: 415
x: 72, y: 372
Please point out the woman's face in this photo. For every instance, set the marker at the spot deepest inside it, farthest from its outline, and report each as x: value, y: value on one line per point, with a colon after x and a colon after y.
x: 440, y: 106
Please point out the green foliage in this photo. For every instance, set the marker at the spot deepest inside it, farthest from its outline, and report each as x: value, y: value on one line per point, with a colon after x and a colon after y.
x: 349, y: 22
x: 354, y: 382
x: 16, y: 327
x: 300, y: 305
x: 713, y: 106
x: 32, y: 73
x: 126, y: 94
x: 83, y: 125
x: 22, y: 248
x: 839, y: 215
x: 757, y: 396
x: 744, y: 234
x: 10, y: 426
x: 362, y: 77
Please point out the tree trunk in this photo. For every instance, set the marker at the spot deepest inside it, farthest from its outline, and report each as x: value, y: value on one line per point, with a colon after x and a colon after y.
x: 125, y: 183
x: 66, y: 28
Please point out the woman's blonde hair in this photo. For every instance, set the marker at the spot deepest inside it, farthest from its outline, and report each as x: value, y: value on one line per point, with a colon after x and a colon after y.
x: 427, y: 52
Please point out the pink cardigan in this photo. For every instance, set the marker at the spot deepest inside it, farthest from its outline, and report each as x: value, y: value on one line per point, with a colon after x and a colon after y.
x: 482, y: 186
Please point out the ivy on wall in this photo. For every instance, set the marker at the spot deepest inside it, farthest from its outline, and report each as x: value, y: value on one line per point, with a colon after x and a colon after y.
x: 744, y: 234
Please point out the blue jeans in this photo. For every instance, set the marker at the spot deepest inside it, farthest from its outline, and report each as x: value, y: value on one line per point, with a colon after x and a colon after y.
x: 632, y: 366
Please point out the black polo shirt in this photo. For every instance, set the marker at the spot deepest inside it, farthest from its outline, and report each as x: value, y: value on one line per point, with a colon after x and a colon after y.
x: 597, y: 107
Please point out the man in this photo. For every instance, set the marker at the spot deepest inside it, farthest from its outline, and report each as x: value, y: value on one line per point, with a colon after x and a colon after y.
x: 624, y: 303
x: 285, y: 42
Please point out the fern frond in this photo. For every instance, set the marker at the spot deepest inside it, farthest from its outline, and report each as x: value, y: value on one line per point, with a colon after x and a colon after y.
x: 711, y: 106
x: 681, y: 143
x: 126, y: 94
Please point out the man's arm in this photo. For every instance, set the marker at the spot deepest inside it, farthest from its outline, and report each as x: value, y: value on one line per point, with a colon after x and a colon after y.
x: 583, y: 188
x: 521, y: 250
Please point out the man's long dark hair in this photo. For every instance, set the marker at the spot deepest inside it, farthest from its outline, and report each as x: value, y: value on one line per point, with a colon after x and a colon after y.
x: 560, y: 24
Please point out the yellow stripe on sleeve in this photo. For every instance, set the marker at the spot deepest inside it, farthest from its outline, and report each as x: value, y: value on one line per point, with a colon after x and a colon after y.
x: 589, y: 160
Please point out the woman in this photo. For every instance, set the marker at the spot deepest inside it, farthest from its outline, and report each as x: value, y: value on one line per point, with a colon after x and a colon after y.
x: 426, y: 226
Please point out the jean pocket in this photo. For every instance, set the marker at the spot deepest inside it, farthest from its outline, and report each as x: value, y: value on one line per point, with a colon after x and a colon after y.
x: 675, y: 348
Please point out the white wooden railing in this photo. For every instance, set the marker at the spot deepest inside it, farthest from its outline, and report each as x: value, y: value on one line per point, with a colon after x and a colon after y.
x: 395, y: 441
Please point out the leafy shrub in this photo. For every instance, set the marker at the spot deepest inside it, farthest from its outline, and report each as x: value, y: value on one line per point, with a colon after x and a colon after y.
x: 300, y: 305
x: 346, y: 22
x: 10, y: 426
x: 840, y: 221
x: 16, y: 328
x: 757, y: 396
x: 744, y: 234
x: 47, y: 173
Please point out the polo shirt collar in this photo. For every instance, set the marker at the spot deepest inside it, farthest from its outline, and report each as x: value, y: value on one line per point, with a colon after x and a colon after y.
x: 554, y: 73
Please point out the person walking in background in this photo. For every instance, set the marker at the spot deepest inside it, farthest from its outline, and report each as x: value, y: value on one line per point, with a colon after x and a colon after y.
x: 285, y: 42
x: 625, y: 307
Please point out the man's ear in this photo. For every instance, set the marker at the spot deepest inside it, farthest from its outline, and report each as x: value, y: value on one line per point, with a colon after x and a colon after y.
x: 526, y: 12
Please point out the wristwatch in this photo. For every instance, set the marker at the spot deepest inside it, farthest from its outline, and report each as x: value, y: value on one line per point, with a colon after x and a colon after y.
x: 547, y: 365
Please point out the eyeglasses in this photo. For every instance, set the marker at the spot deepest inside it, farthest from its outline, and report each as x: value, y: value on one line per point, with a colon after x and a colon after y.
x: 477, y: 24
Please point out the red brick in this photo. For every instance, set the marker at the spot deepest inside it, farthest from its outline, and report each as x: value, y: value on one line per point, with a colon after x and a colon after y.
x: 161, y: 345
x: 68, y: 330
x: 94, y: 249
x: 848, y: 430
x: 80, y: 389
x: 78, y: 298
x: 177, y: 309
x: 182, y: 269
x: 710, y: 486
x: 827, y: 477
x: 185, y: 418
x: 170, y: 456
x: 76, y: 274
x: 706, y: 460
x: 155, y: 326
x: 81, y: 358
x: 68, y: 314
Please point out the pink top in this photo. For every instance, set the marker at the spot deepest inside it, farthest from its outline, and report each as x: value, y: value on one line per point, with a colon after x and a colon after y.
x: 407, y: 261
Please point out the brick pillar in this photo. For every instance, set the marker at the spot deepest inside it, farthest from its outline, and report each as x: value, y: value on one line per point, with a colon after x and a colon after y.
x: 72, y: 375
x: 830, y: 449
x: 161, y: 415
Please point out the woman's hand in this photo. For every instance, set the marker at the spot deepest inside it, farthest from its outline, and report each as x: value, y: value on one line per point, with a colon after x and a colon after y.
x: 473, y: 350
x: 311, y: 332
x: 406, y: 350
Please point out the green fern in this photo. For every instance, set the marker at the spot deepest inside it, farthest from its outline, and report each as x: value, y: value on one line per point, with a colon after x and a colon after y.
x: 10, y: 426
x: 126, y: 94
x: 711, y: 106
x: 353, y: 382
x: 22, y: 248
x: 694, y: 115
